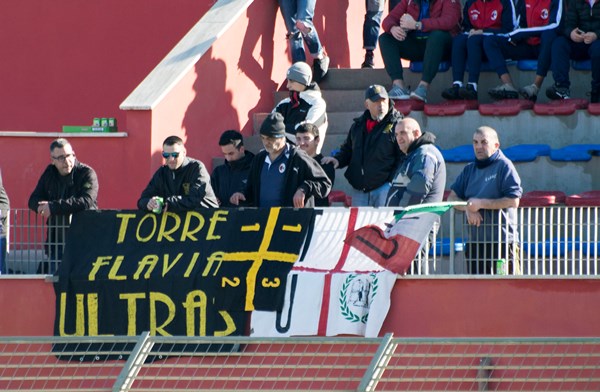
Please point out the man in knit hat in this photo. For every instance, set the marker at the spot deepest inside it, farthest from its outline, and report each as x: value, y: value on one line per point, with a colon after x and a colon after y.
x: 305, y: 103
x: 282, y: 175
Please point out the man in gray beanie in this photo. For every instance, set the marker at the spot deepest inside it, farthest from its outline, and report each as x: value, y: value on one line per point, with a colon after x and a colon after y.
x: 305, y: 103
x: 282, y: 175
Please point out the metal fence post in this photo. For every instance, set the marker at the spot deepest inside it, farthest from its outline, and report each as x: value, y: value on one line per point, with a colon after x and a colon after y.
x: 378, y: 363
x: 134, y: 363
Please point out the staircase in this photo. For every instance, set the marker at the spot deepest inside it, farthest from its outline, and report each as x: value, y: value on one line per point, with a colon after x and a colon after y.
x: 343, y: 91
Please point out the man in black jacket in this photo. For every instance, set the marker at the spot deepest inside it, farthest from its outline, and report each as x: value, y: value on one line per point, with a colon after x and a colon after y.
x: 181, y: 184
x: 231, y: 176
x: 282, y: 175
x: 67, y: 186
x: 370, y: 151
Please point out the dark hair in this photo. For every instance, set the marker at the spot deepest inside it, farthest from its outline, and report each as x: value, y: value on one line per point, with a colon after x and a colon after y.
x: 232, y: 137
x: 172, y: 140
x: 308, y: 128
x: 59, y: 143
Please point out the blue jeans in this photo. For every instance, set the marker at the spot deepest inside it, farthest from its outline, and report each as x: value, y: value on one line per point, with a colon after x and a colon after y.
x: 563, y: 50
x: 304, y: 11
x: 374, y: 12
x: 375, y: 198
x: 470, y: 48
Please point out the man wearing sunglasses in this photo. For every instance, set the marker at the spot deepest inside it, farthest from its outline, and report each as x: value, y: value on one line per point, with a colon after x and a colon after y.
x: 67, y: 186
x: 181, y: 184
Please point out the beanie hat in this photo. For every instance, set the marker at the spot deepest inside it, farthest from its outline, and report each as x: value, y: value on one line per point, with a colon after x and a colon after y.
x: 273, y: 125
x: 300, y: 72
x: 375, y: 92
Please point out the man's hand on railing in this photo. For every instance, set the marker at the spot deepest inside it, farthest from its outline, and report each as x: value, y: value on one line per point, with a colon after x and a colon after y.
x: 44, y: 209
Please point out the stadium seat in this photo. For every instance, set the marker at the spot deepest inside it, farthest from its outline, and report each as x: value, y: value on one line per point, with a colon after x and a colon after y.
x: 442, y: 246
x: 450, y: 108
x: 417, y: 66
x: 337, y: 196
x: 462, y: 153
x: 564, y: 107
x: 557, y: 248
x: 405, y: 106
x: 575, y: 153
x: 526, y: 152
x: 594, y: 109
x: 542, y: 198
x: 584, y: 199
x: 582, y: 65
x: 527, y: 65
x: 505, y: 107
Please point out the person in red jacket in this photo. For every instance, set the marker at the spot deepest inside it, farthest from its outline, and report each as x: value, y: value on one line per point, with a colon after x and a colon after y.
x: 418, y: 30
x: 481, y: 18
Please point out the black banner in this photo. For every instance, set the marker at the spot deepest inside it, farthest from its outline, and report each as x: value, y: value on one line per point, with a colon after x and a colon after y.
x: 193, y: 274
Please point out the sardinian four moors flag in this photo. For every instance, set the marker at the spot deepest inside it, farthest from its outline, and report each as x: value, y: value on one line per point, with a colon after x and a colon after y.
x: 342, y: 282
x: 395, y: 245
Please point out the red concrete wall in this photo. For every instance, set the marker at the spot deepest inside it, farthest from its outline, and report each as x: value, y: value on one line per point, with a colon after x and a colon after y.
x: 427, y: 308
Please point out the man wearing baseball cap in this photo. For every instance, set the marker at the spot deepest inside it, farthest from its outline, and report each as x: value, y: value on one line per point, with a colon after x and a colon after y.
x: 370, y: 151
x: 305, y: 103
x: 282, y: 175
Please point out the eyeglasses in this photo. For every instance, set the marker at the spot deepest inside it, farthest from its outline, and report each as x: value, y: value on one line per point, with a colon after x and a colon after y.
x: 62, y: 158
x: 167, y: 155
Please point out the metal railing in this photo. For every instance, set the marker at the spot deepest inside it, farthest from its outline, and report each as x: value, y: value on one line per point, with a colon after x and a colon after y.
x: 150, y: 363
x: 550, y: 241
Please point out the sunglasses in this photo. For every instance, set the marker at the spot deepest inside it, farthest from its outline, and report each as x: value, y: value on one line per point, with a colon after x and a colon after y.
x: 166, y: 155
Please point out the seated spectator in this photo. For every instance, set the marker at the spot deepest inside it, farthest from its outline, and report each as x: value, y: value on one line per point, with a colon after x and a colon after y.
x: 181, y: 184
x: 282, y: 175
x: 305, y: 103
x: 531, y: 40
x: 580, y: 42
x: 480, y: 19
x: 373, y: 14
x: 298, y: 18
x: 231, y: 176
x: 418, y: 30
x: 307, y: 138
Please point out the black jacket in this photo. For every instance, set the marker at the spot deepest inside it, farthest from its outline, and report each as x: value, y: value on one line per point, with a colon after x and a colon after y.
x: 302, y: 172
x: 66, y: 195
x: 186, y: 188
x: 372, y: 157
x: 231, y: 177
x: 581, y: 15
x: 330, y: 171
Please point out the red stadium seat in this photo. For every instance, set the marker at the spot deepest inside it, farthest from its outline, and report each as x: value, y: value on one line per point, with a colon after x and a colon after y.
x: 450, y: 108
x: 594, y: 109
x: 405, y: 106
x: 564, y: 107
x: 542, y: 198
x: 505, y: 107
x: 584, y: 199
x: 339, y: 197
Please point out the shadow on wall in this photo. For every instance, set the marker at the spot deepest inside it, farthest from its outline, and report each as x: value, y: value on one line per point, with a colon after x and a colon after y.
x: 335, y: 41
x: 202, y: 127
x: 259, y: 74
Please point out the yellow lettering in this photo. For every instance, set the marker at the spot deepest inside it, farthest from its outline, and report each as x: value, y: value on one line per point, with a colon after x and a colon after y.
x: 152, y: 218
x: 166, y: 266
x: 156, y: 298
x: 267, y: 283
x: 187, y: 233
x: 229, y: 282
x: 216, y: 256
x: 195, y: 300
x: 163, y: 232
x: 100, y: 261
x: 131, y: 299
x: 229, y: 324
x: 79, y: 315
x: 123, y: 226
x: 112, y: 275
x: 92, y: 302
x: 148, y: 261
x: 192, y: 264
x: 218, y: 216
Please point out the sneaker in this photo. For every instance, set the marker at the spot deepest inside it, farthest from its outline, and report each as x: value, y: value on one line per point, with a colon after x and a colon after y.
x: 451, y: 93
x: 420, y: 93
x: 369, y: 60
x: 320, y: 68
x: 554, y: 92
x: 468, y: 92
x: 530, y: 92
x: 504, y: 91
x: 397, y: 92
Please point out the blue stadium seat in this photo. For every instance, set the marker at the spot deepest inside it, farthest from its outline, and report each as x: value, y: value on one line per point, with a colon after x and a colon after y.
x: 583, y: 65
x: 526, y: 152
x: 575, y: 153
x: 527, y: 65
x: 463, y: 153
x: 558, y: 248
x: 417, y: 66
x: 442, y: 246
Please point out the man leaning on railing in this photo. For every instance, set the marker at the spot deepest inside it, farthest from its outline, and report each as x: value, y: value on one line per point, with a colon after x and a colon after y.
x: 492, y: 188
x: 67, y: 186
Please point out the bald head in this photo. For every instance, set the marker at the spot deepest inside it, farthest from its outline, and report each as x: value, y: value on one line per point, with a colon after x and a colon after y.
x: 407, y: 131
